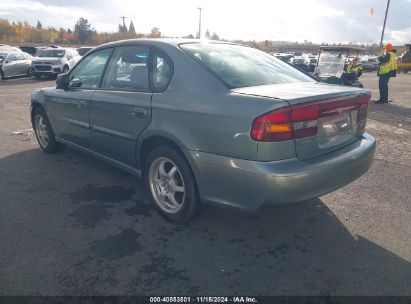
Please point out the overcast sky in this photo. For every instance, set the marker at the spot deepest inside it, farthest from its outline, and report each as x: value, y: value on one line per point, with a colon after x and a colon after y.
x: 291, y: 20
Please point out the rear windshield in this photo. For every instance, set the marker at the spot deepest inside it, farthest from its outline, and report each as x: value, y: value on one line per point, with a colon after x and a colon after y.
x: 52, y: 53
x: 239, y: 66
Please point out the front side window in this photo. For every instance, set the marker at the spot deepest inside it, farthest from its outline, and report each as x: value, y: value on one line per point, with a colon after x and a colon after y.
x: 88, y: 73
x: 128, y: 69
x: 162, y: 72
x: 239, y: 66
x: 11, y: 57
x: 21, y: 56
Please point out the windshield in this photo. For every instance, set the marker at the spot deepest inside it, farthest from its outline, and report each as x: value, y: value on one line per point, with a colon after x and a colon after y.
x: 239, y: 66
x: 52, y: 53
x: 331, y: 64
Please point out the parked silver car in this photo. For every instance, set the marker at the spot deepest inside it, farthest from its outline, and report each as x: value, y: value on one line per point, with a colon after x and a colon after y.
x: 207, y: 123
x: 53, y: 61
x: 15, y: 64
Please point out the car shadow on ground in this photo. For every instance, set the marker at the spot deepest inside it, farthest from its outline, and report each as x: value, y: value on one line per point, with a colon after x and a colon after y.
x: 74, y: 225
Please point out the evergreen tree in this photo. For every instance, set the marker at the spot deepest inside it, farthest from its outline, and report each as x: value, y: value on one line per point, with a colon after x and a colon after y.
x: 215, y: 37
x: 122, y: 28
x: 83, y: 30
x: 207, y: 34
x: 131, y: 29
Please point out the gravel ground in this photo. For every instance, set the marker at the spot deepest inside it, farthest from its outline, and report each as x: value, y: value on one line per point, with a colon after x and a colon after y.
x: 72, y: 225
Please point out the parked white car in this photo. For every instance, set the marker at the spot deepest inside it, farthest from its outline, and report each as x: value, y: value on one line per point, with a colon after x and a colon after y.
x: 54, y: 61
x: 4, y: 48
x: 14, y: 64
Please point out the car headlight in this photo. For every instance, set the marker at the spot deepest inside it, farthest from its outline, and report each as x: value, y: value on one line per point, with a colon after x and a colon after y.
x: 58, y: 61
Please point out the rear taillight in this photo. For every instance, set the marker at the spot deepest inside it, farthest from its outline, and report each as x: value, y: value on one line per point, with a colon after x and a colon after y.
x: 302, y: 120
x: 272, y: 126
x: 364, y: 101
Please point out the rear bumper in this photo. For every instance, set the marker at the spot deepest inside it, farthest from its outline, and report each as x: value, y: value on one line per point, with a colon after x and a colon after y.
x: 249, y: 184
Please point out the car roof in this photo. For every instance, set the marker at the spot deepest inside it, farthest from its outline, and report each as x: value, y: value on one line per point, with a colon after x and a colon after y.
x: 158, y: 42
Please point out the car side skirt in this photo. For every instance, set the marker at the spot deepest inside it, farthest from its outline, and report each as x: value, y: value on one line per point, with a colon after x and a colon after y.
x: 131, y: 170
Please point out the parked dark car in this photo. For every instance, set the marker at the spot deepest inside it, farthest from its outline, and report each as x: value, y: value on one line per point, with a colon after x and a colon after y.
x: 32, y: 50
x: 207, y: 123
x: 312, y: 64
x: 300, y: 63
x: 370, y: 64
x: 83, y: 50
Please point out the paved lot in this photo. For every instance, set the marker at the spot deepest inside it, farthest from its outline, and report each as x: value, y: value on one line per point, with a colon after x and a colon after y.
x: 70, y: 224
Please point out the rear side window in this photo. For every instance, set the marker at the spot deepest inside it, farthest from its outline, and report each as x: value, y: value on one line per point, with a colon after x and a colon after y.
x: 128, y: 69
x: 240, y: 66
x: 162, y: 71
x: 88, y: 73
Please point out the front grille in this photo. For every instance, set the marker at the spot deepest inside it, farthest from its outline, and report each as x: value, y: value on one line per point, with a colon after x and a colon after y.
x: 42, y: 68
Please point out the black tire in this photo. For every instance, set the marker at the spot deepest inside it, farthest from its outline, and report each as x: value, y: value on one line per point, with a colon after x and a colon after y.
x: 2, y: 75
x: 29, y: 72
x: 37, y: 76
x: 65, y: 69
x: 191, y: 205
x: 52, y: 145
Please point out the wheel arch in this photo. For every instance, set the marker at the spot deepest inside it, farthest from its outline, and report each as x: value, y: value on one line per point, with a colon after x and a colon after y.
x: 35, y: 105
x: 152, y: 140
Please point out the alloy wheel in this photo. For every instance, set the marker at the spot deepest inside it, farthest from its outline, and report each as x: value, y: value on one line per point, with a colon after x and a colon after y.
x: 41, y: 131
x: 167, y: 185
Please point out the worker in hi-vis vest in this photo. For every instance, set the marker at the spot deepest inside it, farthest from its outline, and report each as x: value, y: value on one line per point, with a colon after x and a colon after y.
x: 355, y: 68
x: 388, y: 69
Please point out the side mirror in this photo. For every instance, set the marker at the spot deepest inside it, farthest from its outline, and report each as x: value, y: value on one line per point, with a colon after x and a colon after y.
x: 62, y: 81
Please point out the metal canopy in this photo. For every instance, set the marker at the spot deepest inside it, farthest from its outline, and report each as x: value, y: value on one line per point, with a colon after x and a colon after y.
x: 341, y: 48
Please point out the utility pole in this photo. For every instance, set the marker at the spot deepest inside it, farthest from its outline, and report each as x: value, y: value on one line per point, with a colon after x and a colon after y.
x: 124, y: 21
x: 383, y: 27
x: 199, y: 23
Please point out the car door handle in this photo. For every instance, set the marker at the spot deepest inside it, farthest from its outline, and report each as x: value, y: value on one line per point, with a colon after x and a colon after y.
x: 138, y: 112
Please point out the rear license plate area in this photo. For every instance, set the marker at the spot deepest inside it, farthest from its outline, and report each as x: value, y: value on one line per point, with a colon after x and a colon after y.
x: 336, y: 129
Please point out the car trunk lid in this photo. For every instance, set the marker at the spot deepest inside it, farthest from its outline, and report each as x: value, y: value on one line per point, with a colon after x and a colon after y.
x: 323, y: 117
